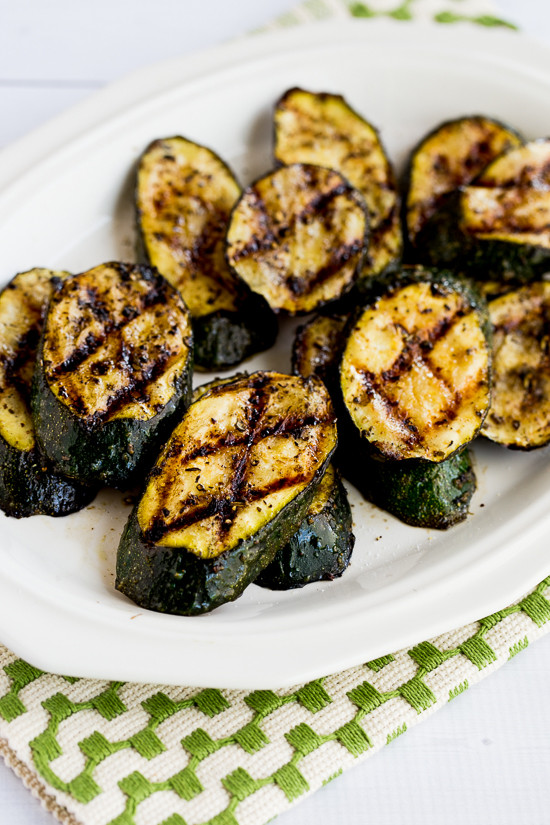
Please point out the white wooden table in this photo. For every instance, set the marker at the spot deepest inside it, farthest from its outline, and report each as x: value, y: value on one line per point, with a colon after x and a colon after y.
x: 485, y: 758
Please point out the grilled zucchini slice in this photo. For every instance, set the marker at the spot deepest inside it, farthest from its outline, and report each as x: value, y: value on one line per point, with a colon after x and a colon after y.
x: 184, y: 196
x: 113, y: 372
x: 520, y: 409
x: 420, y: 493
x: 449, y: 157
x: 498, y: 228
x: 321, y: 548
x: 298, y: 237
x: 28, y: 484
x: 230, y: 488
x: 415, y: 372
x: 321, y: 128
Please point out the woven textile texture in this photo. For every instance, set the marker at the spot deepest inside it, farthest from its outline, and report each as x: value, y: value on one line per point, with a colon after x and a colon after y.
x: 110, y: 753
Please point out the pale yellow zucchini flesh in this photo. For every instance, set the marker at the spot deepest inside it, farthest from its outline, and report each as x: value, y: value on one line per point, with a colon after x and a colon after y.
x: 450, y: 157
x: 415, y: 372
x: 116, y: 339
x: 321, y: 128
x: 520, y: 408
x: 298, y: 236
x: 510, y: 201
x: 184, y: 196
x: 23, y: 304
x: 244, y: 450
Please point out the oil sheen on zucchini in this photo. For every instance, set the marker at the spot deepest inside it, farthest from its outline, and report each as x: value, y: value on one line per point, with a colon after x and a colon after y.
x: 28, y: 484
x: 321, y: 128
x: 298, y: 237
x: 113, y: 372
x: 321, y: 548
x: 184, y: 196
x: 498, y: 227
x: 230, y: 488
x: 415, y: 372
x: 450, y: 156
x: 520, y: 409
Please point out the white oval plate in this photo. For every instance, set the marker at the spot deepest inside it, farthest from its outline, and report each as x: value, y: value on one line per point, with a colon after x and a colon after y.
x: 66, y: 203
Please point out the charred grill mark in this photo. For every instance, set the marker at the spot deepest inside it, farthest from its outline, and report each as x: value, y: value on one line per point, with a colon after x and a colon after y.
x: 134, y: 391
x: 226, y: 507
x: 219, y: 507
x: 529, y: 176
x: 417, y: 348
x: 271, y: 231
x: 373, y: 388
x: 198, y: 254
x: 288, y: 427
x: 155, y: 296
x: 255, y: 409
x: 533, y: 324
x: 339, y: 257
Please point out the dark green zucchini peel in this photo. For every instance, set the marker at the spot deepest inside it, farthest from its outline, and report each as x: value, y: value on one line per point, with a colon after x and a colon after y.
x: 321, y: 548
x: 230, y: 488
x: 415, y: 371
x: 321, y: 128
x: 28, y: 484
x: 113, y: 372
x: 417, y: 492
x: 298, y: 237
x: 184, y: 196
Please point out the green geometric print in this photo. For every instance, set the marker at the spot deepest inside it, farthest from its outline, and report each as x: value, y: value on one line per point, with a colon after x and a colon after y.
x: 353, y: 735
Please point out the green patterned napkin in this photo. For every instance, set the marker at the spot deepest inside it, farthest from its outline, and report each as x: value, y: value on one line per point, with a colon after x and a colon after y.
x: 113, y: 753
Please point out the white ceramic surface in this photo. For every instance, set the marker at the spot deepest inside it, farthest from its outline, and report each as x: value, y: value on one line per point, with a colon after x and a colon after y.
x: 66, y: 202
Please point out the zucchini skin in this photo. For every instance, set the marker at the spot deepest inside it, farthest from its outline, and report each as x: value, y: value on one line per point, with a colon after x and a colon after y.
x: 229, y: 459
x: 28, y: 484
x: 419, y: 493
x: 442, y: 243
x: 117, y: 453
x: 224, y: 339
x: 320, y: 550
x: 176, y: 581
x: 29, y: 487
